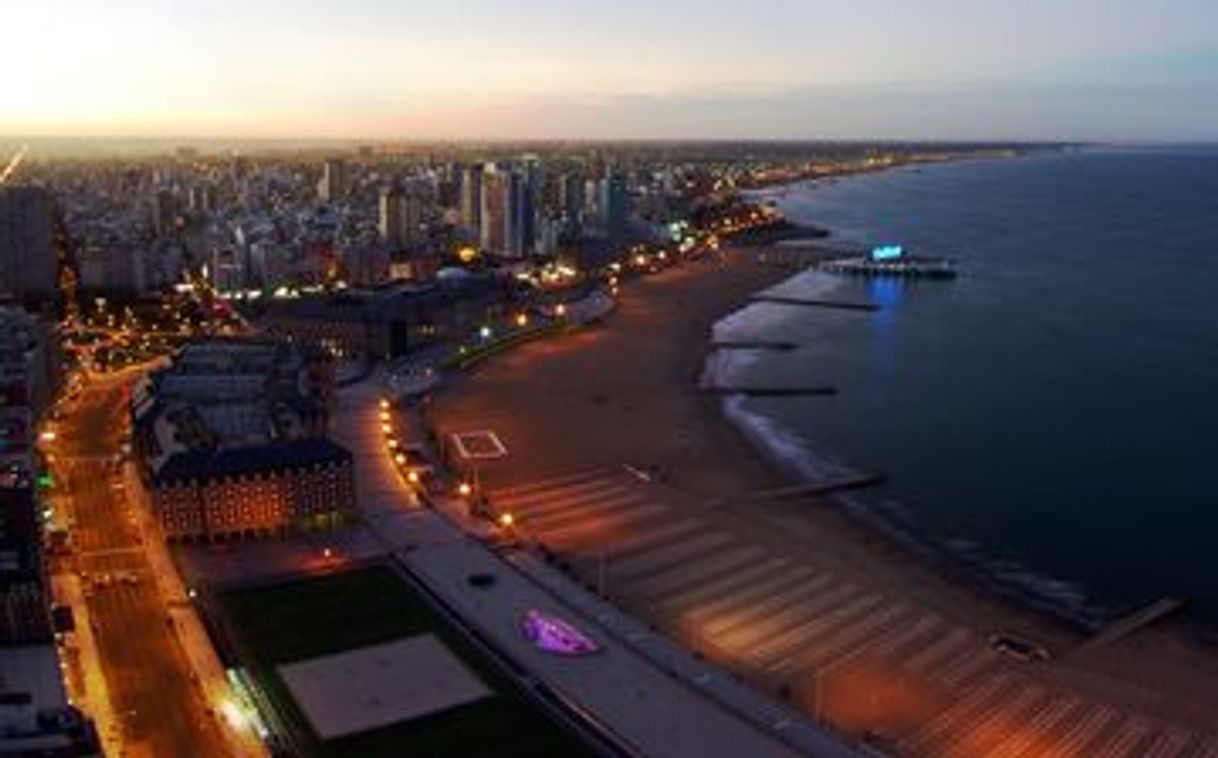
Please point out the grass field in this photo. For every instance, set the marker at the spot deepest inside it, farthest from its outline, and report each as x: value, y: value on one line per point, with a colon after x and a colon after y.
x: 304, y: 619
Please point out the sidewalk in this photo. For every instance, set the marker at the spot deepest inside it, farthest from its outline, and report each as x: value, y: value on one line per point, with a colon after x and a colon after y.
x: 95, y: 700
x: 192, y: 635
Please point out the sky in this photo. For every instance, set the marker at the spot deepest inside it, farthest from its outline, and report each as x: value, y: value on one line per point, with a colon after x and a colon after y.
x: 1144, y: 70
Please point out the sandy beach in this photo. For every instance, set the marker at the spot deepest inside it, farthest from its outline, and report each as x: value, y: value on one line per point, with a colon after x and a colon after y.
x: 618, y: 464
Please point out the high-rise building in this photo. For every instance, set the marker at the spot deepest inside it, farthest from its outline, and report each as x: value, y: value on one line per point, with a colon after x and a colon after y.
x: 493, y: 210
x: 471, y: 197
x: 614, y: 206
x: 571, y: 198
x: 506, y: 210
x: 28, y: 269
x: 401, y: 217
x: 390, y: 221
x: 333, y: 184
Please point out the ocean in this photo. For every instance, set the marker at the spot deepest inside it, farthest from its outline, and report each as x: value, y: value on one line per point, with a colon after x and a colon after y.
x: 1048, y: 420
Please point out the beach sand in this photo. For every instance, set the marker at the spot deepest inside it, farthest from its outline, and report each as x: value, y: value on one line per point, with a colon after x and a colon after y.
x: 623, y: 393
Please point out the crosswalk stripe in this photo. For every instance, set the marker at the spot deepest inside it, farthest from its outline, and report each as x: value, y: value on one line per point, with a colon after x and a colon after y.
x: 572, y: 512
x: 553, y: 481
x: 807, y: 624
x: 1208, y: 747
x: 775, y: 610
x: 973, y: 734
x: 966, y: 666
x: 1168, y: 744
x: 593, y: 525
x: 848, y: 637
x: 1085, y: 729
x: 1027, y: 736
x: 592, y: 490
x: 679, y: 600
x: 645, y: 540
x: 698, y: 573
x: 939, y: 650
x: 669, y: 554
x: 885, y: 644
x: 746, y: 595
x: 1121, y: 742
x: 962, y: 709
x: 537, y: 509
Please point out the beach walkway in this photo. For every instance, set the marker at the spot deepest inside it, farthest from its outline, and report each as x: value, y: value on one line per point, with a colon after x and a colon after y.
x: 804, y: 630
x: 684, y: 707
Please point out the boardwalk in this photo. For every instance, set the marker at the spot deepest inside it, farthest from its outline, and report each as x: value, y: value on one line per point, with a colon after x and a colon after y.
x: 793, y: 624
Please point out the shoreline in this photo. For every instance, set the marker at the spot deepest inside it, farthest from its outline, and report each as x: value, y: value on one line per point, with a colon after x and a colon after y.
x: 591, y: 401
x: 957, y: 559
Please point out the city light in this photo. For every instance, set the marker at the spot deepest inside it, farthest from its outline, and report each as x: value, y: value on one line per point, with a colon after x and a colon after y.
x: 385, y: 403
x: 485, y: 332
x: 400, y: 459
x: 464, y: 489
x: 412, y: 477
x: 47, y: 436
x: 506, y: 520
x: 522, y: 319
x: 560, y: 310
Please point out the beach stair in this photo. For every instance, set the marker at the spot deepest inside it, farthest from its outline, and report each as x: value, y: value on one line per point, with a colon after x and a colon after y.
x: 1127, y: 625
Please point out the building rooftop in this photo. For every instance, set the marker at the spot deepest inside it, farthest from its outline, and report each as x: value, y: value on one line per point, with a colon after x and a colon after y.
x: 201, y: 464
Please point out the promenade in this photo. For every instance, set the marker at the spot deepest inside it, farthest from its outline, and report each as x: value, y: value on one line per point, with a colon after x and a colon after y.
x: 681, y: 708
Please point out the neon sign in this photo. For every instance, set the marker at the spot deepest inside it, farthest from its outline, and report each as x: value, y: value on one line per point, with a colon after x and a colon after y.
x: 887, y: 252
x: 551, y: 634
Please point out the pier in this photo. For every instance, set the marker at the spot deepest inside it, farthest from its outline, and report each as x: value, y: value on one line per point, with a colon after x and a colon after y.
x: 753, y: 345
x: 768, y: 391
x: 816, y: 302
x: 1123, y: 627
x: 849, y: 481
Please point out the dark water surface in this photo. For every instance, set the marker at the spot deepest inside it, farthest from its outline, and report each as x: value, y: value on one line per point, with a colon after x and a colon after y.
x: 1057, y: 405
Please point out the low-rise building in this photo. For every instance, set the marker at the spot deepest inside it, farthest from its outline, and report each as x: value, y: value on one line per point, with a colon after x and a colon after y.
x: 231, y: 439
x: 392, y: 320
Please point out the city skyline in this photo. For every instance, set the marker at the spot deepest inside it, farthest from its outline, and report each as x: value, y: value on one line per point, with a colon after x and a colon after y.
x: 542, y: 69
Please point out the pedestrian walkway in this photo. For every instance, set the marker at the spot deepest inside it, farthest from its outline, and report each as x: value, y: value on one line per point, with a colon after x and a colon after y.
x: 785, y: 620
x: 674, y: 709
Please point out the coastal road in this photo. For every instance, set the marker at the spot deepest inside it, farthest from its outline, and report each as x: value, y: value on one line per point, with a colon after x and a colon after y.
x: 155, y: 700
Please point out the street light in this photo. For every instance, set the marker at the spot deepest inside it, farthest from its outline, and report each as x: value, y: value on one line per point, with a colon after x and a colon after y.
x: 506, y: 520
x: 464, y: 489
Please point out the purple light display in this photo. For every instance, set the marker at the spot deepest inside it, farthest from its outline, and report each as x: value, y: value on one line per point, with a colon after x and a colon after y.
x: 553, y: 635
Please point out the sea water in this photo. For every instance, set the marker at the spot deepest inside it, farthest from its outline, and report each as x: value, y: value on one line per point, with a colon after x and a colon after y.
x: 1052, y: 414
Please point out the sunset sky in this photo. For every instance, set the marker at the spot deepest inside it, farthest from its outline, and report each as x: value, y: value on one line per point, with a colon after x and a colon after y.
x: 1082, y: 69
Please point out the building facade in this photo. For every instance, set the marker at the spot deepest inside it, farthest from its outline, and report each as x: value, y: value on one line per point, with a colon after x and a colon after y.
x: 28, y: 267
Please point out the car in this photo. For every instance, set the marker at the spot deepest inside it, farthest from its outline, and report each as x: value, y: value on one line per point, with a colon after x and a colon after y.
x: 1019, y: 648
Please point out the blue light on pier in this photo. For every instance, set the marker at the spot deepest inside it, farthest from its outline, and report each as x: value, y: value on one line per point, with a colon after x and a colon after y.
x: 887, y: 252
